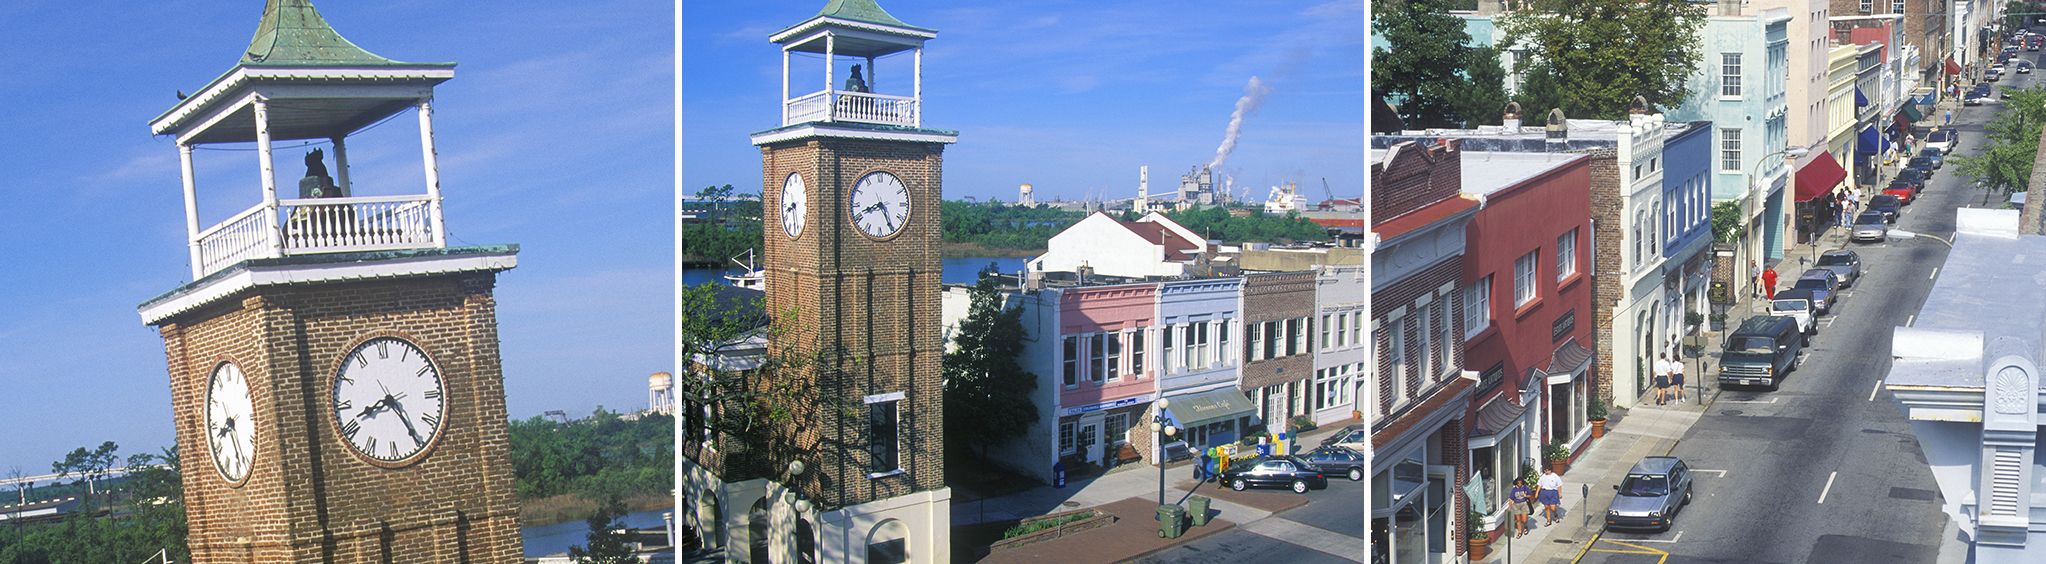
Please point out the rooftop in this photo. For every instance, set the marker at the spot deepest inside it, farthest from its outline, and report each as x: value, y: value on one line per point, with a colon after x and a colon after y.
x: 1488, y: 172
x: 1971, y: 304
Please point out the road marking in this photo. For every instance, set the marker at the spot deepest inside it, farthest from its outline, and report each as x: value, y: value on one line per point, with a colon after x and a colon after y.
x: 1935, y: 273
x: 1639, y: 550
x: 1829, y: 486
x: 1771, y: 400
x: 1909, y: 320
x: 1671, y: 540
x: 1721, y: 473
x: 1872, y: 391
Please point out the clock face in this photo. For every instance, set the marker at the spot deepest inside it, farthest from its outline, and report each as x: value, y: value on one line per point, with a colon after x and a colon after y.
x: 795, y: 205
x: 388, y: 400
x: 880, y: 204
x: 230, y: 433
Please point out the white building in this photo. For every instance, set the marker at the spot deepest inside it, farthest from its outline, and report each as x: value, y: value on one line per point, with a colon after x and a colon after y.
x: 1153, y: 245
x: 1340, y: 343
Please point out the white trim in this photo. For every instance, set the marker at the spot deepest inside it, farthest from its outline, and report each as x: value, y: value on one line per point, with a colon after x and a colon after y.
x: 241, y: 76
x: 1446, y: 288
x: 282, y: 275
x: 813, y: 130
x: 878, y: 475
x: 878, y: 398
x: 1424, y: 300
x: 818, y: 21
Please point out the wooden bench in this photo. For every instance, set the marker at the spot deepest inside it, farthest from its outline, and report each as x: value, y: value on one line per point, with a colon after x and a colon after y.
x: 1126, y: 455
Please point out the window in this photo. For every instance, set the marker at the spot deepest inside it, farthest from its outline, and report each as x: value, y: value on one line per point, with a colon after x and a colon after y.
x: 1442, y: 336
x: 1096, y: 351
x: 1116, y: 426
x: 1421, y: 329
x: 883, y: 445
x: 1171, y: 359
x: 1257, y: 341
x: 1187, y: 352
x: 1566, y: 256
x: 1137, y: 340
x: 1066, y: 439
x: 1342, y: 328
x: 1524, y: 278
x: 1325, y: 325
x: 1114, y: 364
x: 1730, y: 75
x: 1867, y: 6
x: 1072, y: 367
x: 1272, y: 339
x: 1200, y: 345
x: 1227, y: 355
x: 1896, y: 6
x: 1293, y: 336
x: 1331, y: 387
x: 1730, y: 150
x: 1357, y: 318
x: 888, y: 544
x: 1396, y: 353
x: 1477, y: 306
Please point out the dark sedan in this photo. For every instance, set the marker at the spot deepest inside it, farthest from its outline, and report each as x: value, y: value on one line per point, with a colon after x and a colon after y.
x: 1917, y: 175
x: 1937, y: 158
x: 1887, y: 205
x: 1922, y: 165
x: 1337, y: 460
x: 1275, y: 472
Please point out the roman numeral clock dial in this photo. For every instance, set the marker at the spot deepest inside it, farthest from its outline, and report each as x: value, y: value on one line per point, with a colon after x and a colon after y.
x: 230, y: 432
x: 794, y: 205
x: 880, y: 204
x: 389, y: 401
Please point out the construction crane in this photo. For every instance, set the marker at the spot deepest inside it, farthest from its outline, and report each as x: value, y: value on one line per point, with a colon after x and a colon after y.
x: 1325, y: 189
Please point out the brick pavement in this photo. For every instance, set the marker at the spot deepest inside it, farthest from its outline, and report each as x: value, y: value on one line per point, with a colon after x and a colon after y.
x: 1134, y: 535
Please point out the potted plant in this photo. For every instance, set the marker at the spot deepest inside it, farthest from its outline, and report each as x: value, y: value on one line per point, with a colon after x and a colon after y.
x: 1596, y: 412
x: 1481, y: 539
x: 1719, y: 320
x: 1558, y: 454
x: 1691, y: 321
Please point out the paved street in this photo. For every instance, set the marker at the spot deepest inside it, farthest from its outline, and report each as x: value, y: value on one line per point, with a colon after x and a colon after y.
x: 1327, y: 529
x: 1825, y: 470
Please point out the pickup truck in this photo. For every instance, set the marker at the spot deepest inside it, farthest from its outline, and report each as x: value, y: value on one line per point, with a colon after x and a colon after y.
x: 1797, y: 304
x: 1761, y: 352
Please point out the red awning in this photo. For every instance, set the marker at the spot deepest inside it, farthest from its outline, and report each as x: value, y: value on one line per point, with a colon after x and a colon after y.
x: 1819, y: 178
x: 1953, y: 67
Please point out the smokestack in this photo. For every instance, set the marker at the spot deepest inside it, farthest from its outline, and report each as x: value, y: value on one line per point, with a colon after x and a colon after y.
x: 1143, y: 189
x: 1253, y: 94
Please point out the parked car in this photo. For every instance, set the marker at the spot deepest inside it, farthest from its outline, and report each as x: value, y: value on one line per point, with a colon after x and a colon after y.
x: 1760, y: 352
x: 1337, y: 460
x: 1345, y: 432
x: 2024, y: 67
x: 1354, y: 436
x: 1844, y: 263
x: 1992, y: 74
x: 1973, y: 98
x: 1796, y: 304
x: 1888, y: 205
x: 1903, y: 191
x: 1871, y: 227
x: 1917, y: 176
x: 1274, y: 472
x: 1921, y: 165
x: 1944, y: 140
x: 1654, y: 491
x: 1825, y: 287
x: 1937, y: 158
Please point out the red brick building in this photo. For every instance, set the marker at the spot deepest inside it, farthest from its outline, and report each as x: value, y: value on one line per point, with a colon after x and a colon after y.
x: 1527, y: 317
x: 1423, y: 398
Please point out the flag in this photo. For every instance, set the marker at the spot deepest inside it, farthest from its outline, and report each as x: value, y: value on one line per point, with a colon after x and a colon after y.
x: 1475, y: 490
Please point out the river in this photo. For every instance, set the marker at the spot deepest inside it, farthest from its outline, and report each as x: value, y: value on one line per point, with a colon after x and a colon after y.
x: 552, y: 539
x: 957, y: 270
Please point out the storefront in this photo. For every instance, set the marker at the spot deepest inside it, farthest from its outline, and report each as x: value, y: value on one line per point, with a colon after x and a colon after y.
x: 1092, y: 434
x: 1501, y: 445
x: 1817, y: 208
x: 1569, y: 385
x: 1869, y: 150
x: 1212, y: 418
x: 1413, y: 511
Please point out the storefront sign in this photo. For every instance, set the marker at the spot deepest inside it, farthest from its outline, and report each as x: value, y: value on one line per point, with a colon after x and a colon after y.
x: 1561, y: 328
x: 1124, y: 402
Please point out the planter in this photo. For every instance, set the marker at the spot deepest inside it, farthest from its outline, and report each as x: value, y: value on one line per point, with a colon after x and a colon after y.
x: 1481, y: 546
x: 1598, y: 429
x: 1558, y: 466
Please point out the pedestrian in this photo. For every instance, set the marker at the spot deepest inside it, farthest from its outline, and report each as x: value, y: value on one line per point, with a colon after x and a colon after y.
x: 1948, y: 119
x: 1755, y: 278
x: 1550, y: 494
x: 1523, y: 499
x: 1201, y: 467
x: 1661, y: 367
x: 1769, y: 283
x: 1676, y: 377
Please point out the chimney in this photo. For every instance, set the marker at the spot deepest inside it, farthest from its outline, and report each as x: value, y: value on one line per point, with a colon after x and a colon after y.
x: 1730, y: 7
x: 1558, y: 130
x: 1512, y: 118
x: 1638, y: 107
x: 1084, y: 273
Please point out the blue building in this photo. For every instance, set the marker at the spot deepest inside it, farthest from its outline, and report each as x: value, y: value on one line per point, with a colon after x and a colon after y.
x: 1687, y: 217
x: 1739, y: 85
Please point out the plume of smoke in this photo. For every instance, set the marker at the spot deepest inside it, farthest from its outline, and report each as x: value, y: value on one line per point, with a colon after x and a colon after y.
x: 1253, y: 94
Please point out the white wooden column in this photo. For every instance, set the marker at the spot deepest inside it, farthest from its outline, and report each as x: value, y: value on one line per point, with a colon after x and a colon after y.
x: 191, y: 209
x: 432, y: 172
x: 830, y: 103
x: 918, y: 92
x: 871, y: 83
x: 341, y: 167
x: 263, y: 157
x: 784, y: 85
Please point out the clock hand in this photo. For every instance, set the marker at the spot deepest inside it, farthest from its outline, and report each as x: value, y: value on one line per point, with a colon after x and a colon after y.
x: 237, y: 446
x: 407, y: 420
x: 889, y: 217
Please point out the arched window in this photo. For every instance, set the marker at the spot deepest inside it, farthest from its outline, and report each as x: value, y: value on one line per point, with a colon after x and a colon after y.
x: 888, y: 543
x: 756, y: 533
x: 806, y: 542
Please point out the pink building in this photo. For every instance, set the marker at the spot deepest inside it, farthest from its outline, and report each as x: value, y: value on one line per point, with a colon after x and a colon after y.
x: 1106, y: 347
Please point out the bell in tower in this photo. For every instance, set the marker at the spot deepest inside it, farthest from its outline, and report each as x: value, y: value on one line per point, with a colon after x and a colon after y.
x: 334, y: 371
x: 853, y: 180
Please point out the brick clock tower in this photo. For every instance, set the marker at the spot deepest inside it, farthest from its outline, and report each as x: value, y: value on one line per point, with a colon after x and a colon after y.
x: 334, y: 369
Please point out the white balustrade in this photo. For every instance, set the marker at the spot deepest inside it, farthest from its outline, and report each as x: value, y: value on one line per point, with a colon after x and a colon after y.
x: 335, y: 225
x: 242, y: 237
x: 862, y: 107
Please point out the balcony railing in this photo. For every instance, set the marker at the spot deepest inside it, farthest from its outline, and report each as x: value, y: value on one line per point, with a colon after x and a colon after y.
x: 320, y: 225
x: 861, y: 107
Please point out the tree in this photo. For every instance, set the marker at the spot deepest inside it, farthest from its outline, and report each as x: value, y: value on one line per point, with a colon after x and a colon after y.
x: 89, y: 465
x: 1595, y: 56
x: 2004, y: 165
x: 1429, y: 65
x: 1726, y: 221
x: 982, y: 376
x: 742, y: 399
x: 609, y: 541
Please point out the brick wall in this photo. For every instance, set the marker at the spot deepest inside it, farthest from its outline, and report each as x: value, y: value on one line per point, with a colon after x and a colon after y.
x: 1414, y: 177
x: 309, y: 496
x: 1610, y: 282
x: 1443, y: 310
x: 863, y: 311
x: 1277, y: 296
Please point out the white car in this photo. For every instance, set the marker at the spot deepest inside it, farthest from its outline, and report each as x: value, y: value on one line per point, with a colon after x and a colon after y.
x: 1795, y: 304
x: 1942, y: 140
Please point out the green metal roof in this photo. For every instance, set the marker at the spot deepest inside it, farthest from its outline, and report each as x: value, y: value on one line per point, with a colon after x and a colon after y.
x: 293, y: 34
x: 861, y: 11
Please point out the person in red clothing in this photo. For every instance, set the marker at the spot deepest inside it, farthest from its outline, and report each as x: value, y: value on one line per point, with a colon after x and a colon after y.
x: 1769, y: 283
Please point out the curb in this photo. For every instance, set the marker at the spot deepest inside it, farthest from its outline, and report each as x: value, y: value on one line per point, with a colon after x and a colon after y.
x: 1141, y: 555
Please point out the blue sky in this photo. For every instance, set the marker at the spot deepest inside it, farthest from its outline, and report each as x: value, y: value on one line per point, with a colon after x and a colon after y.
x: 1071, y: 96
x: 555, y: 134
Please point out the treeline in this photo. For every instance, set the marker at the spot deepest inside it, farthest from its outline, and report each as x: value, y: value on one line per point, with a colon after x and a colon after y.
x: 1216, y: 223
x: 597, y: 457
x: 126, y: 519
x: 1003, y: 227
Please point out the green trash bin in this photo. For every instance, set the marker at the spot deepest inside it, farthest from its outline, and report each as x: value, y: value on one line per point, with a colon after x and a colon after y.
x: 1197, y: 507
x: 1171, y: 521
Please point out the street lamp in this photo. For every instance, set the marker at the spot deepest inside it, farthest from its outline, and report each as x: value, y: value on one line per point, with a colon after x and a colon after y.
x: 1164, y: 429
x: 1902, y: 234
x: 1756, y: 169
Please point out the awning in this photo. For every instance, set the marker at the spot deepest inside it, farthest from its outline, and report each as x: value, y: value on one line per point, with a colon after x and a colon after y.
x: 1870, y: 142
x: 1568, y: 362
x: 1819, y: 178
x: 1859, y: 98
x: 1953, y: 67
x: 1496, y: 419
x: 1910, y: 112
x: 1208, y: 407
